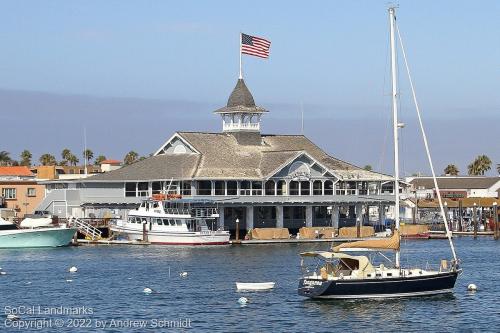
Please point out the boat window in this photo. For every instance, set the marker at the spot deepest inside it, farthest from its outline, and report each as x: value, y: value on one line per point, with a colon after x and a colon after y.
x: 144, y: 220
x: 368, y: 275
x: 165, y: 221
x: 389, y: 274
x: 172, y: 222
x: 378, y: 275
x: 178, y: 222
x: 137, y: 220
x: 155, y: 205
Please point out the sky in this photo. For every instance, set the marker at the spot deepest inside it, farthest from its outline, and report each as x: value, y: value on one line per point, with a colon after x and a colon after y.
x: 134, y: 72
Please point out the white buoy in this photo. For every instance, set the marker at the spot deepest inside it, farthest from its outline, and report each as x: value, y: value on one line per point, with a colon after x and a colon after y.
x: 73, y: 269
x: 472, y: 287
x: 3, y: 273
x: 184, y: 274
x: 12, y: 317
x: 147, y: 290
x: 243, y: 300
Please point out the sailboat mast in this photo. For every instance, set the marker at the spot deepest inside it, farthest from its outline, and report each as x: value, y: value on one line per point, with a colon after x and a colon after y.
x: 395, y: 122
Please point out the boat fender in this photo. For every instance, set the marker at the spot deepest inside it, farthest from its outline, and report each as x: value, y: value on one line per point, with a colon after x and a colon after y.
x: 243, y: 300
x: 183, y: 274
x: 147, y: 291
x: 73, y: 269
x: 472, y: 287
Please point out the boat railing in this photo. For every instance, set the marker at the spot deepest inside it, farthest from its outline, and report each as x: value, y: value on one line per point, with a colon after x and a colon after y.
x: 177, y: 211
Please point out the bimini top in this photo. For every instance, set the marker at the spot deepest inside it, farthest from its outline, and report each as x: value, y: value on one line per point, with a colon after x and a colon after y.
x: 392, y: 243
x: 363, y: 263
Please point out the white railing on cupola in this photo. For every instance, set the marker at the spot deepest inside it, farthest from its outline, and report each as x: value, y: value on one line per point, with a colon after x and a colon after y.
x: 241, y: 126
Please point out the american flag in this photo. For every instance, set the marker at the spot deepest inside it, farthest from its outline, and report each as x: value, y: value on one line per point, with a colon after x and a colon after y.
x: 255, y: 46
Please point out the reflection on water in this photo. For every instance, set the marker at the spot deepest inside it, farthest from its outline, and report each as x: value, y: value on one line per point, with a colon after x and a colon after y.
x: 111, y: 280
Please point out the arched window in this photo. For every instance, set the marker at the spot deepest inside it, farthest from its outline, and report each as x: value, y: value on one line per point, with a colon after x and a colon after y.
x: 245, y: 187
x: 305, y: 188
x: 281, y: 187
x: 328, y: 187
x: 270, y: 187
x: 294, y: 187
x: 317, y: 187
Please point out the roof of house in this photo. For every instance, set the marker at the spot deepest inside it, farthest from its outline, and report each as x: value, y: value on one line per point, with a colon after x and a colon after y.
x: 456, y: 182
x: 111, y: 162
x: 23, y: 171
x: 229, y: 156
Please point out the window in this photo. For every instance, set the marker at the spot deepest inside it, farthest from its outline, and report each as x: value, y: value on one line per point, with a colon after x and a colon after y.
x: 305, y: 188
x: 294, y: 187
x: 165, y: 221
x: 232, y: 187
x: 281, y: 187
x: 143, y: 189
x: 156, y: 187
x: 186, y: 188
x: 245, y: 187
x: 328, y: 187
x: 256, y: 188
x: 9, y: 193
x: 317, y: 187
x: 270, y: 187
x: 130, y: 189
x: 178, y: 222
x: 219, y: 187
x: 204, y: 187
x: 31, y: 192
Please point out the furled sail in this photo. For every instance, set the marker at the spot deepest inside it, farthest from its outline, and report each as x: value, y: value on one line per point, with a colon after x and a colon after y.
x: 376, y: 244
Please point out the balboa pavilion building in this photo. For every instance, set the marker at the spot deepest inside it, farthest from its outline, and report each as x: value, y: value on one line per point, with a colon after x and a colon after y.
x: 261, y: 180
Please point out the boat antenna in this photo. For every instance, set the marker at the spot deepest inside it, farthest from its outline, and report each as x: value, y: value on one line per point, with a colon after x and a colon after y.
x: 427, y: 150
x: 394, y: 94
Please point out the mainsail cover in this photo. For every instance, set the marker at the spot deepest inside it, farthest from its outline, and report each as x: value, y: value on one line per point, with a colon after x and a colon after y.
x: 376, y: 244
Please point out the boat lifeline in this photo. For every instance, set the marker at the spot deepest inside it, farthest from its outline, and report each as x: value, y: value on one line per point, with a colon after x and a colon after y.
x: 177, y: 221
x: 53, y: 236
x: 343, y: 276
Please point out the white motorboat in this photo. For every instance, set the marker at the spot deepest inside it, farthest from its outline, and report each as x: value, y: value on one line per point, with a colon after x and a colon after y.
x: 173, y: 221
x: 248, y: 286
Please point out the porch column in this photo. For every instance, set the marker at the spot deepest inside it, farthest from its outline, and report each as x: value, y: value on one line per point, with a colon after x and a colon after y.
x: 193, y: 187
x: 335, y: 216
x: 279, y: 216
x: 220, y: 222
x: 359, y: 213
x: 249, y: 217
x: 309, y: 216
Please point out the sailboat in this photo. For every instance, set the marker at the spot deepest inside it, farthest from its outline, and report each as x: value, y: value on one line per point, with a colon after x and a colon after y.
x: 340, y: 275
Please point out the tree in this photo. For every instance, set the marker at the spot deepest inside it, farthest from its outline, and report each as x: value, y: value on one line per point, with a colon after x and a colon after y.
x: 5, y: 158
x: 88, y: 155
x: 131, y: 157
x: 451, y: 169
x: 368, y: 167
x: 99, y: 159
x: 26, y: 158
x: 479, y: 166
x: 498, y: 168
x: 47, y: 159
x: 73, y: 160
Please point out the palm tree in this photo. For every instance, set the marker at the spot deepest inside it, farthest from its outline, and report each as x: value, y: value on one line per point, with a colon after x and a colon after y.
x: 73, y: 160
x: 131, y: 157
x: 368, y: 167
x: 47, y: 159
x: 99, y: 159
x: 26, y: 158
x: 479, y: 166
x: 5, y: 158
x: 451, y: 169
x: 88, y: 155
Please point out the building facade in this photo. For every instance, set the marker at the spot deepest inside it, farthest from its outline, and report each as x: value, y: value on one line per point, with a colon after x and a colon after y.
x: 19, y: 190
x: 260, y: 180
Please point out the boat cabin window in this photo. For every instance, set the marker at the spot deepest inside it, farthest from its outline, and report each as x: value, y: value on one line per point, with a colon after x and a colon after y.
x: 378, y: 275
x: 389, y: 274
x: 155, y: 204
x: 137, y: 220
x: 144, y: 220
x: 165, y: 221
x: 172, y: 222
x: 178, y: 222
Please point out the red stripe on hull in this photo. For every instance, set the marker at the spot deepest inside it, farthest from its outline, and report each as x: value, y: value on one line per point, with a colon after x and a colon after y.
x: 209, y: 243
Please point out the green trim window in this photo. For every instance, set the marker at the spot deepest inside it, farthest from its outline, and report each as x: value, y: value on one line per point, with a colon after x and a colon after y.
x: 31, y: 192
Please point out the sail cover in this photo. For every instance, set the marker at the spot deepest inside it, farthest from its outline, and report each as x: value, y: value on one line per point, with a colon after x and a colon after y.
x: 376, y: 244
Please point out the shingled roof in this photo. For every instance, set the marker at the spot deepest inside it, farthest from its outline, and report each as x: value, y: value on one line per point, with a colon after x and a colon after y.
x: 241, y: 100
x: 456, y: 183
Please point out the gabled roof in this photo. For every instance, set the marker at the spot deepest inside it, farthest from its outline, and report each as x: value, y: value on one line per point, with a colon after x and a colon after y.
x: 20, y: 171
x: 456, y: 182
x: 111, y: 162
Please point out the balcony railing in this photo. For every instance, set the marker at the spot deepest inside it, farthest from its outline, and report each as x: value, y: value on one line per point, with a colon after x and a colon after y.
x: 241, y: 126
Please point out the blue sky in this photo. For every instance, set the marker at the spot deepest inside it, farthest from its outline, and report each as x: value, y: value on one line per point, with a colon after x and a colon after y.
x: 332, y: 56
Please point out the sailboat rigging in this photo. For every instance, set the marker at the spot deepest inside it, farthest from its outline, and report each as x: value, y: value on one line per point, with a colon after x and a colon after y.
x: 343, y: 276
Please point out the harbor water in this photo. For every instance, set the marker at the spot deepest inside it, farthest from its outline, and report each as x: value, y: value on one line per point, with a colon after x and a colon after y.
x: 107, y: 291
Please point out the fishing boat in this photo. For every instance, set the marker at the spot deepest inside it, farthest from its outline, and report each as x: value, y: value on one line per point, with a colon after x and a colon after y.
x: 32, y: 237
x: 172, y: 220
x: 340, y: 275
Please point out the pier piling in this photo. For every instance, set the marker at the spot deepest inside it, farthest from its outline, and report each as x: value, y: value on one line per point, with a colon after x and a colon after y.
x: 495, y: 219
x: 474, y: 220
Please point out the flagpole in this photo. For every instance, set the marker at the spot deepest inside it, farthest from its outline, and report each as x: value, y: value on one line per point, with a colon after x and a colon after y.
x: 241, y: 74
